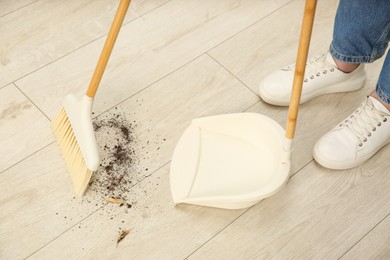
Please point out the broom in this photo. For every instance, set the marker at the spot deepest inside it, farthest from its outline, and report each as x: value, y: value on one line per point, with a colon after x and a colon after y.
x: 73, y: 125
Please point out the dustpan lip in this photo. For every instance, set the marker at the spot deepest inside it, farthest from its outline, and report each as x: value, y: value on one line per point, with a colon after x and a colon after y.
x: 245, y: 199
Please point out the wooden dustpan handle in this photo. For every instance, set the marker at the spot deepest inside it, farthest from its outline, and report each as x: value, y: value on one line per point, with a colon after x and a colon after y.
x: 304, y: 42
x: 108, y: 46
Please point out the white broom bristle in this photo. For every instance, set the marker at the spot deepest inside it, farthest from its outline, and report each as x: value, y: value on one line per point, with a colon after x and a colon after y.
x: 75, y: 163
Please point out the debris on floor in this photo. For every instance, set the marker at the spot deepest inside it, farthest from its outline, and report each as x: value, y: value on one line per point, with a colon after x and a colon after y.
x: 126, y: 161
x: 121, y: 236
x: 119, y: 201
x: 117, y: 143
x: 116, y: 201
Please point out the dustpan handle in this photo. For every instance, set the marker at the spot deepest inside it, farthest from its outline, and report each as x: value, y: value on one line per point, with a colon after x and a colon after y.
x: 108, y: 46
x: 304, y: 42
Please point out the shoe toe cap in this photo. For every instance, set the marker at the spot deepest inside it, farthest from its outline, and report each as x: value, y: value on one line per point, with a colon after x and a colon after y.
x: 276, y: 88
x: 334, y: 151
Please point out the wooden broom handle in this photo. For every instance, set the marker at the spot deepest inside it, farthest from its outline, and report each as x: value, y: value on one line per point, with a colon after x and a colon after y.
x: 108, y: 46
x: 303, y: 49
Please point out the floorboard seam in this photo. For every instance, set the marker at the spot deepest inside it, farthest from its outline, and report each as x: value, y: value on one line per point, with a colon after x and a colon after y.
x: 211, y: 57
x: 217, y: 233
x: 88, y: 43
x: 43, y: 113
x: 1, y: 16
x: 151, y: 84
x: 232, y: 36
x: 365, y: 235
x: 250, y: 25
x: 25, y: 158
x: 65, y: 231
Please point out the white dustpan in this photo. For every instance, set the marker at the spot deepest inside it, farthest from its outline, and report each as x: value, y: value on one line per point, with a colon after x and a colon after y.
x: 234, y: 161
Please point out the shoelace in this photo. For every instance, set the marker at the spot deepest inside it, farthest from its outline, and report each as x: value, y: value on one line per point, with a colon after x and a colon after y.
x: 364, y: 121
x: 315, y: 67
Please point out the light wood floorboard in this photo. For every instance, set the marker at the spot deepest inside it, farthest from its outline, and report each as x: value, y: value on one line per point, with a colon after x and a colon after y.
x: 147, y: 49
x: 8, y: 6
x: 157, y: 229
x: 46, y: 30
x: 320, y: 214
x: 36, y: 196
x: 376, y: 245
x: 23, y: 128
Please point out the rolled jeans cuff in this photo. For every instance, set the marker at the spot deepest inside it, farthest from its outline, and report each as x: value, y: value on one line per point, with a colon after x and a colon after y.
x: 352, y: 59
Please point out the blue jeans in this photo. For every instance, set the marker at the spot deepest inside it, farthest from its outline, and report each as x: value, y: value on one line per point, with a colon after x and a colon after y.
x: 361, y: 35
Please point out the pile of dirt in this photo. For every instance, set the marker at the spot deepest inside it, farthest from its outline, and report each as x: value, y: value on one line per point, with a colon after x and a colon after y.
x: 126, y: 162
x: 118, y: 169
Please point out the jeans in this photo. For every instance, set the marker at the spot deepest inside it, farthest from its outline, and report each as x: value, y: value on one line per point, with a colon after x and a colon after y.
x: 362, y: 34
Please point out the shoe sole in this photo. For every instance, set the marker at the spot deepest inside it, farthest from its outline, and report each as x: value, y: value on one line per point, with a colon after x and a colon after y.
x: 349, y: 86
x: 343, y: 165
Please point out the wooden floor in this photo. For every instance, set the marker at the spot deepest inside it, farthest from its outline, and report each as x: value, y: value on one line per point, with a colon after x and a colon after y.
x: 174, y: 61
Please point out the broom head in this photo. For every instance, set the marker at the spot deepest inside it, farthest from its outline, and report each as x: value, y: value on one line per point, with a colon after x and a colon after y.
x: 74, y: 132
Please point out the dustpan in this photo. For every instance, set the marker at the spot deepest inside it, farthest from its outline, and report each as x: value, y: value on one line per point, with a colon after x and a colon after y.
x: 233, y: 161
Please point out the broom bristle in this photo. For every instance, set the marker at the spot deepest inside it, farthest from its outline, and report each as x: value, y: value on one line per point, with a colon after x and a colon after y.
x: 75, y: 163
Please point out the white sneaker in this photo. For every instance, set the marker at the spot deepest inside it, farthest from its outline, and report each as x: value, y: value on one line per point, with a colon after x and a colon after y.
x: 321, y: 77
x: 356, y: 139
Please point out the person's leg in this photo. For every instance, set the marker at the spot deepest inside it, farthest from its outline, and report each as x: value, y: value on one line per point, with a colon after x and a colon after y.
x: 361, y: 31
x: 361, y: 36
x: 346, y: 67
x: 382, y: 91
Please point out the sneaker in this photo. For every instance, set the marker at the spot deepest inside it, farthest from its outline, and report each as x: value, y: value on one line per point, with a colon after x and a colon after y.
x: 321, y: 77
x: 355, y: 139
